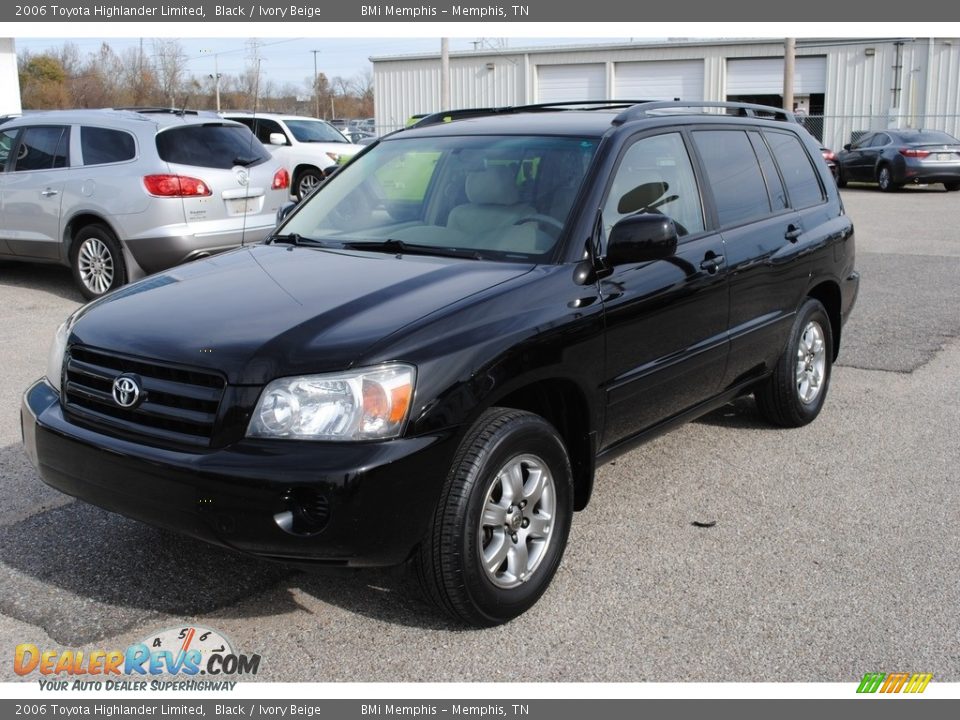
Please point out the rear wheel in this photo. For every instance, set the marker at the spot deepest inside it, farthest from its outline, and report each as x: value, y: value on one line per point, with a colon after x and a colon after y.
x: 952, y: 186
x: 793, y: 395
x: 885, y: 179
x: 97, y: 261
x: 841, y: 180
x: 502, y: 522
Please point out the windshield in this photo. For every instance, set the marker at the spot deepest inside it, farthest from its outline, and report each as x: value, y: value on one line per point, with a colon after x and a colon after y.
x: 307, y: 131
x: 501, y: 197
x: 932, y: 137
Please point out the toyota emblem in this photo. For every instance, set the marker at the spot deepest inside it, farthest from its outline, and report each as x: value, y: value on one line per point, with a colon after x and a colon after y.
x: 126, y: 391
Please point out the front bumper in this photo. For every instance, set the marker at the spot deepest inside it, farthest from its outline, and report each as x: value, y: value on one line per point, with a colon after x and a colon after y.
x: 378, y: 498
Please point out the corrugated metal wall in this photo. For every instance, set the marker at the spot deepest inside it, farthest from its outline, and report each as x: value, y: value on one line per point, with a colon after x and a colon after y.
x: 860, y: 79
x: 9, y: 81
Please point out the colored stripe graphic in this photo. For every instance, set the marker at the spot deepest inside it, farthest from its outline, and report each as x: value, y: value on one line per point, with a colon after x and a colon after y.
x: 895, y: 682
x: 918, y: 682
x: 871, y: 682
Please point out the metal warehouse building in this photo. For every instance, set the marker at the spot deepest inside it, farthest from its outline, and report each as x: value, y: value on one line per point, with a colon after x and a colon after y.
x: 844, y: 86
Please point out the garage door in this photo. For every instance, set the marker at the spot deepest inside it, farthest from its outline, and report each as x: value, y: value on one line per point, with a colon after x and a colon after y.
x: 563, y: 83
x: 764, y: 76
x: 660, y: 80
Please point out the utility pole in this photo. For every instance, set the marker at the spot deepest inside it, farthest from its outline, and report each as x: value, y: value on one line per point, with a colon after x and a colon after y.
x: 444, y: 74
x: 316, y: 90
x: 789, y: 57
x: 215, y: 77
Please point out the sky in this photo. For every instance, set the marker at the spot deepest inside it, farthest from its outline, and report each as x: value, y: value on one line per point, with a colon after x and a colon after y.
x: 290, y: 60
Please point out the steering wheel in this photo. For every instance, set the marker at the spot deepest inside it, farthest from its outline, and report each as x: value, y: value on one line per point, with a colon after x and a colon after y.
x: 547, y: 220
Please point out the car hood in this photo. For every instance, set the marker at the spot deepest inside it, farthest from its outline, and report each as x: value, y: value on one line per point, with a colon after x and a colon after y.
x: 267, y: 311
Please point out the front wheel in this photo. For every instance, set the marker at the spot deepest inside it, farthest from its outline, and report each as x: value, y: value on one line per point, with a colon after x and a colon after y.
x: 793, y: 395
x: 502, y: 522
x: 97, y: 261
x: 307, y: 180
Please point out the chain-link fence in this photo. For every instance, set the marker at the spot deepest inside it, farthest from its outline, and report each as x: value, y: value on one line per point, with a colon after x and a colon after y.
x: 835, y: 131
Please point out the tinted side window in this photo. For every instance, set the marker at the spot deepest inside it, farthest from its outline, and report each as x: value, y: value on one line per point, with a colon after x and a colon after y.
x: 43, y: 148
x: 213, y: 146
x: 102, y: 145
x: 734, y: 175
x: 265, y: 127
x: 778, y: 196
x: 655, y: 175
x: 879, y: 140
x: 803, y: 187
x: 7, y: 138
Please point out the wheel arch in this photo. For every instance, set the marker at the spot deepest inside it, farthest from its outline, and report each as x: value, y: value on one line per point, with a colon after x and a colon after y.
x: 562, y: 403
x: 828, y: 293
x: 79, y: 221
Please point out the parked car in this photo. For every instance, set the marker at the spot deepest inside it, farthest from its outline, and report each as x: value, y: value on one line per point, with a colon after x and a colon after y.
x: 894, y: 158
x: 440, y: 346
x: 306, y: 146
x: 830, y: 158
x: 118, y: 194
x: 360, y: 137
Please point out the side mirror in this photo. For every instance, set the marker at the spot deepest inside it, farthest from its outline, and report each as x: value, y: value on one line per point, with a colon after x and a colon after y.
x: 641, y: 238
x: 278, y: 139
x: 847, y: 147
x: 284, y: 210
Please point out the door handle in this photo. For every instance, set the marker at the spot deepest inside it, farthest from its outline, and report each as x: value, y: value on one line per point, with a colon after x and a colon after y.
x: 50, y: 192
x: 793, y: 232
x: 712, y: 263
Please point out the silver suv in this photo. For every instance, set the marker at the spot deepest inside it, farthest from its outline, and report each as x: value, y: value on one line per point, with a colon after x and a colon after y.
x: 120, y: 194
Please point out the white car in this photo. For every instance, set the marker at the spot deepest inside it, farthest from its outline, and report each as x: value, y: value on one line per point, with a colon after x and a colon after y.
x: 306, y: 146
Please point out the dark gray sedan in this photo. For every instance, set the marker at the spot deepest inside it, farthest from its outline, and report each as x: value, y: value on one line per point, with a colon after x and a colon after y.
x: 893, y: 158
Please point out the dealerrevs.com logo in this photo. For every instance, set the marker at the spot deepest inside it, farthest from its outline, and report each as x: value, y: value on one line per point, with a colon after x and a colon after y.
x: 197, y: 658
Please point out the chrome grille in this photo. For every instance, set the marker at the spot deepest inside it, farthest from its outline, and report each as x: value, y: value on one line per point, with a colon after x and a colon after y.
x: 178, y: 405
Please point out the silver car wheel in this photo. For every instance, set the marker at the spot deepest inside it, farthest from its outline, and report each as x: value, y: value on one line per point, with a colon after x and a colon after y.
x: 811, y: 362
x: 95, y: 265
x: 308, y: 181
x: 517, y: 521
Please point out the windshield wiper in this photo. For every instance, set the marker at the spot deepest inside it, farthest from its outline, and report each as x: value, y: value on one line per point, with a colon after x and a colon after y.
x: 244, y: 161
x: 295, y: 239
x: 405, y: 248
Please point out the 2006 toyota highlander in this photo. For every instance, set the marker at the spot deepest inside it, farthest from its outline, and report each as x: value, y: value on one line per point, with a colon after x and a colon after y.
x: 430, y: 357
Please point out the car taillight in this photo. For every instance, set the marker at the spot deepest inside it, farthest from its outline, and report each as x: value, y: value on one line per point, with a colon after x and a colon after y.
x: 829, y: 155
x: 909, y: 152
x: 175, y: 186
x: 281, y: 180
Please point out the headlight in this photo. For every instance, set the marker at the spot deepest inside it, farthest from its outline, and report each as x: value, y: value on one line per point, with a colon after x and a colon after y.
x: 55, y: 357
x: 369, y: 404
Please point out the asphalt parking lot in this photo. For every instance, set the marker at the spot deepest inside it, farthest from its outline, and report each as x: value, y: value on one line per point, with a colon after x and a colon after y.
x: 834, y: 553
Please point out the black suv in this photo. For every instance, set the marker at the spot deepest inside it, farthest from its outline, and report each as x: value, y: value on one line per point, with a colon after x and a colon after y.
x: 433, y: 353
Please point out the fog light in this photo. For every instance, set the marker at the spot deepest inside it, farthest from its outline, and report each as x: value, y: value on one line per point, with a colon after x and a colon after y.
x: 305, y: 512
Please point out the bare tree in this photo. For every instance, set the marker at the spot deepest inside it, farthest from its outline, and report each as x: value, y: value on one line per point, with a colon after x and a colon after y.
x: 170, y: 62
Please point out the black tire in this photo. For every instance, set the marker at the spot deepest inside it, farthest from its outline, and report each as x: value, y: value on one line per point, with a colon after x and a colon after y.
x: 841, y: 180
x: 448, y: 562
x: 780, y: 399
x: 952, y: 186
x: 97, y: 261
x: 885, y: 179
x: 307, y: 180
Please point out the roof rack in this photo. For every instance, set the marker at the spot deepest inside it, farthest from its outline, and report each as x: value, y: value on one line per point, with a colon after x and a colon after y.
x: 451, y: 115
x: 648, y: 109
x: 168, y: 111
